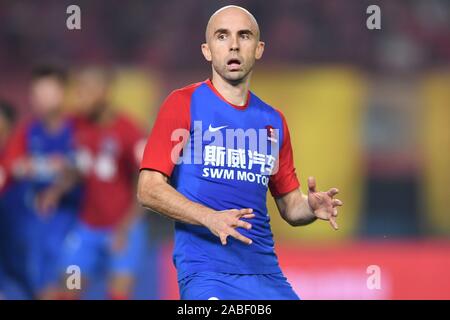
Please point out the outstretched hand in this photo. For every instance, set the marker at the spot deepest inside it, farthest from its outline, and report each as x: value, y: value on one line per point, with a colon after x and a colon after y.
x: 323, y: 205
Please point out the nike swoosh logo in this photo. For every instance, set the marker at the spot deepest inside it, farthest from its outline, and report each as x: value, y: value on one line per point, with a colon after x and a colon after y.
x: 211, y: 129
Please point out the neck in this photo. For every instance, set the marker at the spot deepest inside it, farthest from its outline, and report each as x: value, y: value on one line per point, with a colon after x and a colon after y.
x: 234, y: 92
x: 53, y: 122
x: 101, y: 116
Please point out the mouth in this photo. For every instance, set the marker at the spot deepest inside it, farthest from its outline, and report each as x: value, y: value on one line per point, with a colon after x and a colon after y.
x: 234, y: 64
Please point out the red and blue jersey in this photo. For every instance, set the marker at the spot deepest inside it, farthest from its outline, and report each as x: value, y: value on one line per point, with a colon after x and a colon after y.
x: 46, y: 153
x: 222, y: 156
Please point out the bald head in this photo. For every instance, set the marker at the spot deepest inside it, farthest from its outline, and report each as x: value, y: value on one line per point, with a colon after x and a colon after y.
x: 232, y: 44
x: 223, y: 16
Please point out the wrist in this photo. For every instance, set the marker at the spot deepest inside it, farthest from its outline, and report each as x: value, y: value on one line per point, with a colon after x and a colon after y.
x: 310, y: 210
x: 56, y: 191
x: 206, y: 217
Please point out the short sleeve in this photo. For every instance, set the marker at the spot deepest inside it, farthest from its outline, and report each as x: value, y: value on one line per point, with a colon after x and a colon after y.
x: 285, y: 179
x: 173, y: 117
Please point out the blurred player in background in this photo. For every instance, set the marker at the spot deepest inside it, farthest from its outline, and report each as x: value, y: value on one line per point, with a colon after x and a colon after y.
x: 224, y: 247
x: 7, y: 122
x: 40, y: 158
x: 110, y: 236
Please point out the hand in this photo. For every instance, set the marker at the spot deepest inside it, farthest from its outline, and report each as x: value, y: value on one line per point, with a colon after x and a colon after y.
x: 47, y: 201
x: 58, y: 164
x: 119, y: 240
x: 224, y: 223
x: 23, y: 168
x: 322, y: 203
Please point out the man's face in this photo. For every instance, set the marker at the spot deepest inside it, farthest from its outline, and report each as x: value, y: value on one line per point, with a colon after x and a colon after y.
x: 232, y: 44
x: 47, y: 96
x: 91, y: 92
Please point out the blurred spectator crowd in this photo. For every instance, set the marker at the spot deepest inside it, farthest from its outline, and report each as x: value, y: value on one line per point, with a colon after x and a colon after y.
x: 160, y: 33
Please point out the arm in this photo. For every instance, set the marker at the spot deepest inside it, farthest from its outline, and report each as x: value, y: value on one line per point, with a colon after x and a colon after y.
x: 48, y: 199
x: 155, y: 193
x: 294, y: 208
x: 299, y: 209
x: 133, y: 154
x: 123, y: 228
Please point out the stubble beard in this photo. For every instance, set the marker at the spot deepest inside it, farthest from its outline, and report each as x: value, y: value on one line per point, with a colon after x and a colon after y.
x: 233, y: 77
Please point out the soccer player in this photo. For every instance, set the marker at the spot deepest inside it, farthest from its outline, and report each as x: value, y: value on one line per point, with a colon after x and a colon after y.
x: 110, y: 236
x: 40, y: 164
x: 7, y: 121
x: 194, y: 172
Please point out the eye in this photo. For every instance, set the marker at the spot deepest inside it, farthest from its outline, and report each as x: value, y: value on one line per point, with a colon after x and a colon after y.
x: 222, y: 36
x: 245, y: 36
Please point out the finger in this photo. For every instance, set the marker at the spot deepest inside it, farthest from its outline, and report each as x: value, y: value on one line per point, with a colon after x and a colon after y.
x: 249, y: 216
x: 337, y: 202
x: 240, y: 237
x: 312, y: 184
x: 242, y: 212
x: 243, y: 224
x: 335, y: 212
x: 322, y: 214
x: 223, y: 239
x: 333, y: 223
x: 332, y: 192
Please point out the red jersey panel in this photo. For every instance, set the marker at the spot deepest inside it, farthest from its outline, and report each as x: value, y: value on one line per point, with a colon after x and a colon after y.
x: 106, y: 155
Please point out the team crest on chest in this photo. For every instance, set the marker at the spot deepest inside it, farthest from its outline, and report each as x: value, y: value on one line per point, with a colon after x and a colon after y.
x: 271, y: 134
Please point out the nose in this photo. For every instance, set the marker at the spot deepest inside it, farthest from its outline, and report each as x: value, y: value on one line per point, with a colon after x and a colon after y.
x: 234, y: 44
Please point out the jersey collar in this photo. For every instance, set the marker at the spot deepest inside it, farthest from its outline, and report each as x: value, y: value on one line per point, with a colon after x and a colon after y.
x: 211, y: 86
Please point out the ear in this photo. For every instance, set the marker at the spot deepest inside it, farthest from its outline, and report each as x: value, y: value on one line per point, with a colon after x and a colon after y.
x: 259, y: 50
x: 206, y: 52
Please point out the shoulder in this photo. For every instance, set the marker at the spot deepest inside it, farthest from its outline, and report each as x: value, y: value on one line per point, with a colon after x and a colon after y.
x: 25, y: 126
x: 76, y: 121
x: 187, y: 90
x: 125, y: 122
x: 71, y: 122
x: 183, y: 94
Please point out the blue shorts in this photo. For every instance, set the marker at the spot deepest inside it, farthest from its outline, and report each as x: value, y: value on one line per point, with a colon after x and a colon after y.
x: 225, y: 286
x: 45, y: 239
x: 91, y: 249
